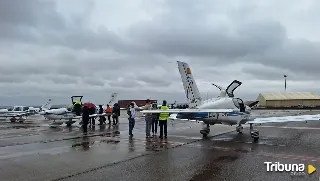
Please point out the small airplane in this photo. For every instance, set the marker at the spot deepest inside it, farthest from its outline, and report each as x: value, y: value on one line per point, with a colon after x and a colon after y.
x: 22, y: 112
x: 63, y: 115
x: 225, y: 109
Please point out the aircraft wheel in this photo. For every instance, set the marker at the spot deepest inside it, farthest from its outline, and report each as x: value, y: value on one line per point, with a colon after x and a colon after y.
x: 204, y: 133
x: 255, y: 135
x: 68, y: 125
x: 239, y: 129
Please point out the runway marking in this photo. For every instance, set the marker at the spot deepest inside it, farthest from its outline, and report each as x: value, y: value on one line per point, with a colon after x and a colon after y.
x: 287, y: 127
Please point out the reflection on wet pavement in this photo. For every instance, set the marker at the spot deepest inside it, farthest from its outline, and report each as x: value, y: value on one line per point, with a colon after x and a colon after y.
x: 65, y: 153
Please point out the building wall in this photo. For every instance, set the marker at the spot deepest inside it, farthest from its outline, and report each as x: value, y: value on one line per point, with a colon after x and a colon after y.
x: 289, y: 103
x: 125, y: 103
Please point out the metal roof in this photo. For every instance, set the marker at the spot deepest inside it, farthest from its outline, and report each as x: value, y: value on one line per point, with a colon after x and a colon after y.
x: 290, y: 95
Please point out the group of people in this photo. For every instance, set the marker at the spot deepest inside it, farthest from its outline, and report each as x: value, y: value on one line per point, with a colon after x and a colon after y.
x: 87, y: 111
x: 152, y: 119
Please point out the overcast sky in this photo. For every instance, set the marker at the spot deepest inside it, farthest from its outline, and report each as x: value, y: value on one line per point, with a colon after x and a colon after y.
x: 56, y: 49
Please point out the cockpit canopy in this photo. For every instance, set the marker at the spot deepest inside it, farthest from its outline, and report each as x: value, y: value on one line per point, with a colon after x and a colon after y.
x: 233, y: 86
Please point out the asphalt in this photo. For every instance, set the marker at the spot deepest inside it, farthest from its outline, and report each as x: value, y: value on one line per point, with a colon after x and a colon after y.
x: 34, y: 151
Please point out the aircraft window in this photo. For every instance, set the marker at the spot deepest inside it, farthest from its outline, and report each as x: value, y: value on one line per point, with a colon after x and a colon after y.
x: 25, y: 108
x: 16, y: 109
x: 236, y: 103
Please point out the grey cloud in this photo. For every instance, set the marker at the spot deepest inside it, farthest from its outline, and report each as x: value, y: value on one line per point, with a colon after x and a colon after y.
x: 48, y: 49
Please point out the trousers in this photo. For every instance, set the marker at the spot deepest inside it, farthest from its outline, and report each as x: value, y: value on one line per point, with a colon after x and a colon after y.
x: 154, y: 125
x: 148, y: 125
x: 85, y: 128
x: 163, y: 127
x: 131, y: 125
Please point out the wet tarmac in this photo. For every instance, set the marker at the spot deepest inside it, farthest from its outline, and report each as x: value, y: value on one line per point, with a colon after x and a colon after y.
x: 34, y: 151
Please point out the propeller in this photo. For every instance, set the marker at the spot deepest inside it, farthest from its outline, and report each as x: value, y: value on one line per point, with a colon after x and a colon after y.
x: 253, y: 103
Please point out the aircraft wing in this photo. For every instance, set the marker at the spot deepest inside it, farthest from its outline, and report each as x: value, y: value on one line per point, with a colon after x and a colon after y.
x: 90, y: 116
x: 189, y: 111
x: 8, y: 114
x: 283, y: 119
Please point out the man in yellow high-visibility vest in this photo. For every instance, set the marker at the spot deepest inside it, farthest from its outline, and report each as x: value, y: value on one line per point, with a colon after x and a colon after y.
x: 163, y: 120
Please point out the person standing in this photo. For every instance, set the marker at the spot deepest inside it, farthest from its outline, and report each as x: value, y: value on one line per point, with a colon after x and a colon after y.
x: 115, y: 113
x: 109, y: 113
x: 163, y: 120
x: 148, y: 118
x: 132, y: 115
x: 102, y: 118
x: 155, y: 117
x: 85, y: 119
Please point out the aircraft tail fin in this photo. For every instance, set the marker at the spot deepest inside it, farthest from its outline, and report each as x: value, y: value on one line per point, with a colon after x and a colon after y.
x: 189, y: 84
x: 113, y: 97
x: 46, y: 106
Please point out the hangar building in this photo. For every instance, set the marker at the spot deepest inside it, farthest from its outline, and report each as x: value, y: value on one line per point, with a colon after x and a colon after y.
x: 288, y: 99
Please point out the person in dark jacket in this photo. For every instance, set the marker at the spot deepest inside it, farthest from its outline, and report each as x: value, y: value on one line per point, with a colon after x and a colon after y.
x: 115, y: 113
x: 85, y: 119
x: 155, y: 118
x: 102, y: 119
x: 77, y: 109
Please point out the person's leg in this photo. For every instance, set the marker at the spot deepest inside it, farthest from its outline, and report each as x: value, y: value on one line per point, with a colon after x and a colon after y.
x: 109, y: 119
x: 85, y: 126
x: 152, y: 125
x: 165, y: 125
x: 161, y: 129
x: 156, y: 126
x: 130, y: 127
x: 149, y: 126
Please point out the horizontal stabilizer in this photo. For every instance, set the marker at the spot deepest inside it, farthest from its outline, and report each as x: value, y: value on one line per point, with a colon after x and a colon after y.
x: 189, y: 111
x: 283, y: 119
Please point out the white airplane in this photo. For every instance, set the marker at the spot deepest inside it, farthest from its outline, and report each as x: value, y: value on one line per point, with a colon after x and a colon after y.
x: 22, y: 112
x: 225, y: 109
x: 63, y: 115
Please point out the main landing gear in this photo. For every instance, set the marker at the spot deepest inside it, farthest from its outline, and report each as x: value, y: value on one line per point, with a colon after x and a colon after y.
x: 239, y: 129
x: 254, y: 133
x: 205, y: 131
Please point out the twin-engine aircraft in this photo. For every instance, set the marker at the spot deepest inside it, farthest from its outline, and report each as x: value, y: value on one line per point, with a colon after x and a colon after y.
x: 225, y: 109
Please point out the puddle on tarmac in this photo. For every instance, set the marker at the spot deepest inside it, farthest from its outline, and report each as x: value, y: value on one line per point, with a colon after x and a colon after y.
x: 110, y: 141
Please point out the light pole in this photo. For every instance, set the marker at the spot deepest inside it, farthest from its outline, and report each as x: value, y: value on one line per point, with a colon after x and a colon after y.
x: 285, y: 83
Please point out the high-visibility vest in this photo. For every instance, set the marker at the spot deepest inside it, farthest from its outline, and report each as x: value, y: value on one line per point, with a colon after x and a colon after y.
x: 109, y: 110
x: 164, y: 115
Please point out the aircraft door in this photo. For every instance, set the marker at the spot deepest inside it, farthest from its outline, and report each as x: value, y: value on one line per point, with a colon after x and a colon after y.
x: 239, y: 104
x: 233, y: 86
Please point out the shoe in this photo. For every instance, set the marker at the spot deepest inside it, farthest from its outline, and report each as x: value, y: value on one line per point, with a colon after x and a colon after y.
x: 160, y: 137
x: 165, y: 137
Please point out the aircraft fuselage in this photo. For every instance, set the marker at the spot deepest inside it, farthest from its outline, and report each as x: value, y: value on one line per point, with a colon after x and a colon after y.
x: 232, y: 118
